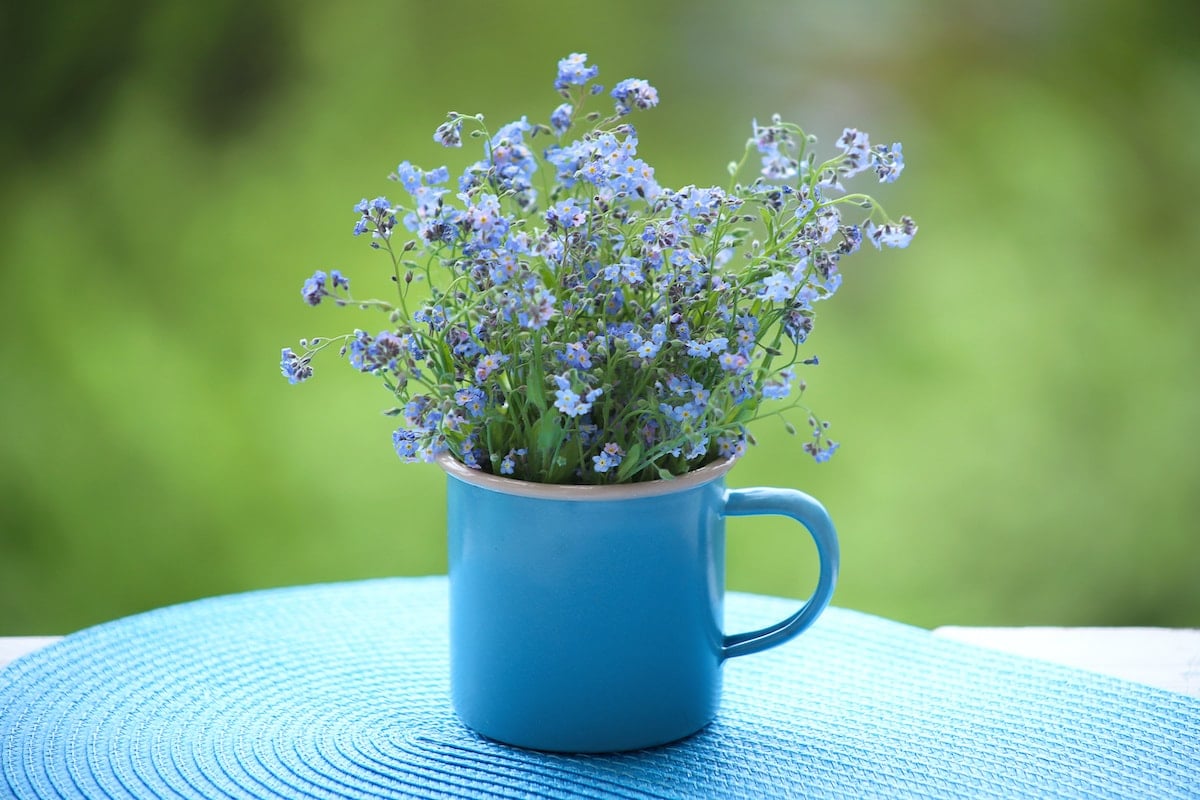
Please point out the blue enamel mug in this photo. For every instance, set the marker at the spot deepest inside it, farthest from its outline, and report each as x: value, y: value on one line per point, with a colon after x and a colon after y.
x: 590, y: 619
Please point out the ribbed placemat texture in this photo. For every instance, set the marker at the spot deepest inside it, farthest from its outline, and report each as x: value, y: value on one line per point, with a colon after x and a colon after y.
x: 341, y: 690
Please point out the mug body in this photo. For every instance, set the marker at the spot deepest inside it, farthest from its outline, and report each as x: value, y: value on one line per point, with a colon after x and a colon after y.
x: 586, y: 619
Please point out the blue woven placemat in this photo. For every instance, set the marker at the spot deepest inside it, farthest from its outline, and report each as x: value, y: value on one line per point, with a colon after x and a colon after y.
x: 340, y: 690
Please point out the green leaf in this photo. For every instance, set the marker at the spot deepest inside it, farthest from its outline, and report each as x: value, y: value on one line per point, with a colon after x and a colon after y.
x: 745, y: 413
x: 537, y: 392
x: 549, y: 435
x: 631, y: 462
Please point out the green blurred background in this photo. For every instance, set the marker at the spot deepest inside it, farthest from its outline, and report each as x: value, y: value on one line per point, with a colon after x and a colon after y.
x: 1016, y: 394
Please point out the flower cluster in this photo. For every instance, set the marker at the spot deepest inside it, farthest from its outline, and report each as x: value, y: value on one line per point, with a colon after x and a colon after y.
x: 562, y: 317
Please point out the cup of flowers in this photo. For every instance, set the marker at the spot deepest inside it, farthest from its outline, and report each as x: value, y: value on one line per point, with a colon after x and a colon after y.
x: 560, y: 318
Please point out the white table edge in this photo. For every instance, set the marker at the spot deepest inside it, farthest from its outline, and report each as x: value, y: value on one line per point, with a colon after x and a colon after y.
x: 1168, y: 658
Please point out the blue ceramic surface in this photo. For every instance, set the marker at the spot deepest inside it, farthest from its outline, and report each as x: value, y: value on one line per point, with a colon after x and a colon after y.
x: 589, y: 619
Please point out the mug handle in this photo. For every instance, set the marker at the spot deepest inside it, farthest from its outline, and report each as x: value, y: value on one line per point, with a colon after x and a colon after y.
x: 813, y: 516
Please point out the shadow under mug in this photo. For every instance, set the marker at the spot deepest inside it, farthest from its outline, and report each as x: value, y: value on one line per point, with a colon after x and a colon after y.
x: 589, y: 618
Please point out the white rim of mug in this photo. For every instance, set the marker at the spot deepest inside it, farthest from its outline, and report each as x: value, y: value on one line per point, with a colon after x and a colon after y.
x: 555, y: 491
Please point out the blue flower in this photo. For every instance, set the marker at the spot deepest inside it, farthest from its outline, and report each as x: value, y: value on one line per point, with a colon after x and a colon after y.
x: 409, y: 176
x: 648, y: 349
x: 415, y: 411
x: 509, y: 463
x: 779, y: 388
x: 890, y: 233
x: 733, y: 362
x: 634, y: 93
x: 538, y: 309
x: 449, y: 133
x: 468, y: 452
x: 407, y: 444
x: 569, y: 402
x: 772, y: 142
x: 294, y: 368
x: 798, y: 324
x: 778, y: 287
x: 471, y: 399
x: 574, y: 71
x: 888, y: 162
x: 488, y: 364
x: 339, y: 280
x: 609, y: 458
x: 631, y: 271
x: 567, y: 214
x: 576, y: 354
x: 731, y: 446
x: 560, y: 120
x: 856, y: 149
x: 433, y: 316
x: 314, y: 288
x: 827, y: 221
x: 821, y: 454
x: 698, y: 450
x: 486, y: 221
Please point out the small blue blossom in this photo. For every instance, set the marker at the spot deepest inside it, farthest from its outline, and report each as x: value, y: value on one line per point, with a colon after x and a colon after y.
x: 569, y: 403
x: 576, y: 354
x: 314, y: 288
x: 731, y: 446
x: 567, y: 214
x: 574, y: 71
x: 774, y: 143
x: 407, y: 444
x: 609, y: 458
x: 488, y: 364
x: 634, y: 93
x: 449, y: 133
x: 856, y: 149
x: 778, y: 287
x: 888, y: 162
x: 538, y: 309
x: 560, y: 120
x: 433, y: 316
x: 779, y: 388
x: 294, y: 368
x: 472, y: 400
x: 508, y: 464
x: 827, y: 221
x: 733, y: 362
x: 648, y: 349
x: 469, y: 447
x: 821, y: 454
x: 408, y: 176
x: 891, y: 234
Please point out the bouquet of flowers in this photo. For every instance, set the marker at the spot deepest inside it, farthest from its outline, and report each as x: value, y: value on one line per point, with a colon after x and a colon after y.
x: 560, y: 317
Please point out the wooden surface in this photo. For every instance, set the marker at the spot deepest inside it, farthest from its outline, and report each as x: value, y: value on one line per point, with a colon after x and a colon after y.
x: 1162, y: 657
